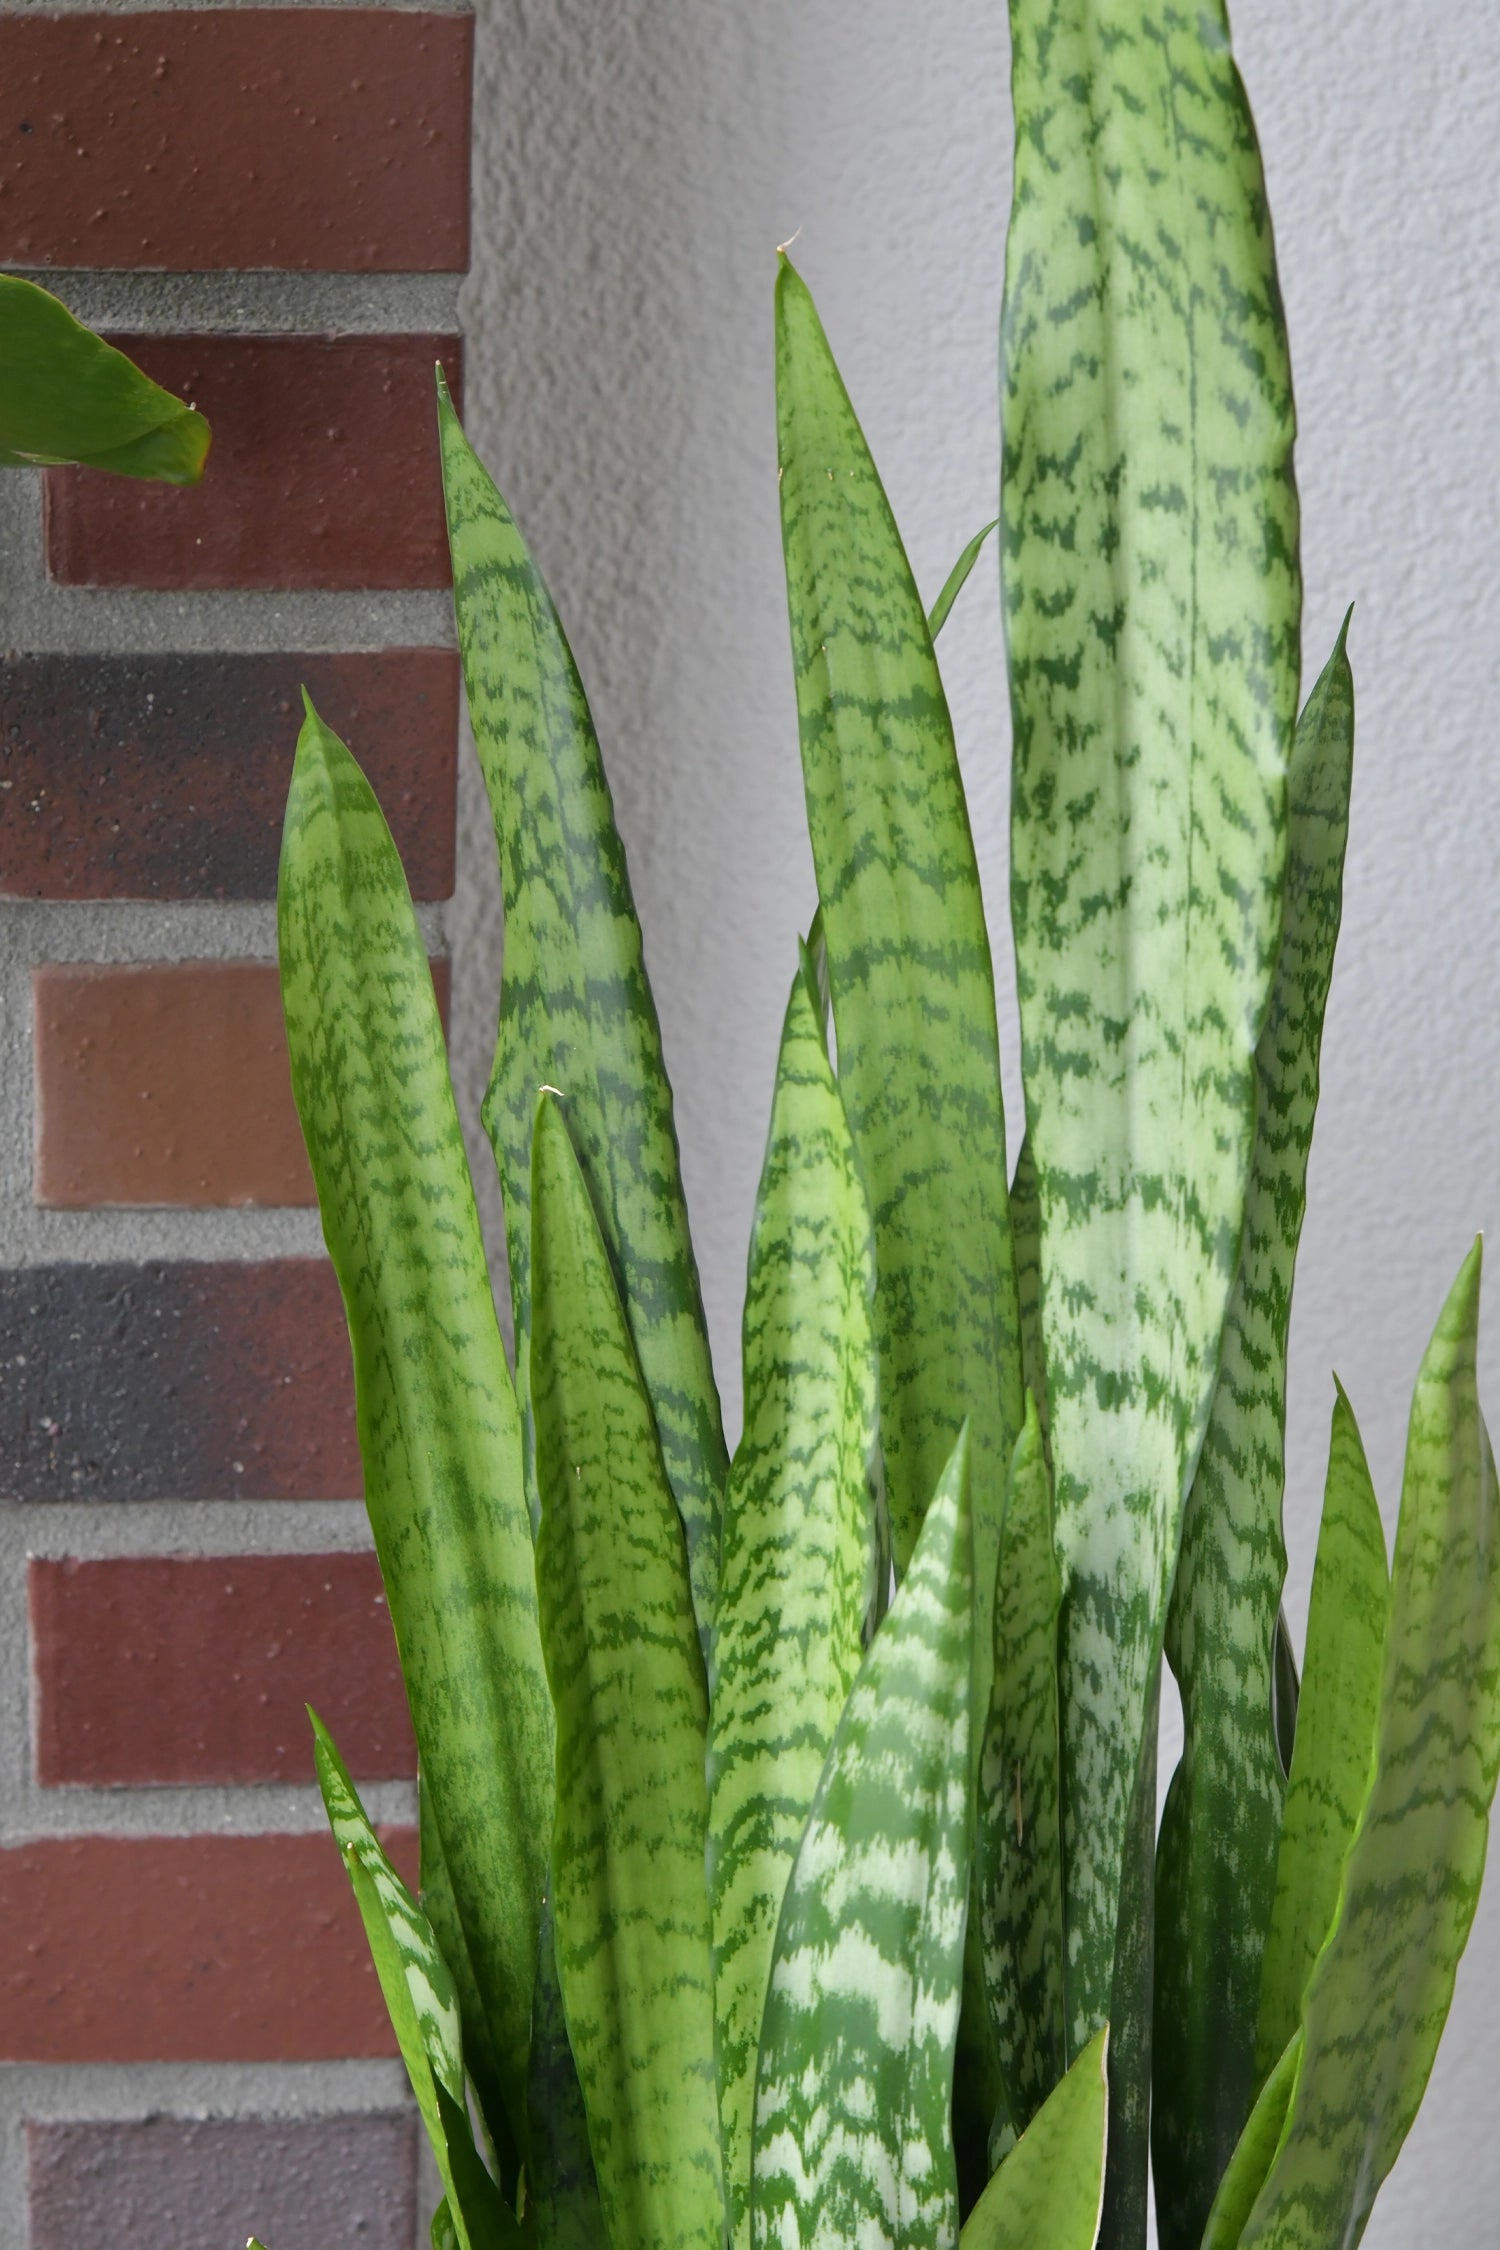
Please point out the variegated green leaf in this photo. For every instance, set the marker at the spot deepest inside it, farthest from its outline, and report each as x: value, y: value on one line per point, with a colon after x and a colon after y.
x: 1020, y: 1842
x: 800, y: 1567
x: 562, y: 2187
x: 852, y: 2138
x: 1338, y: 1711
x: 1254, y: 2153
x: 441, y: 1910
x: 1151, y: 599
x: 576, y: 1010
x: 1217, y: 1869
x: 1049, y: 2192
x: 1378, y: 1998
x: 908, y: 956
x: 438, y: 1430
x: 1025, y: 1234
x: 423, y: 2007
x: 629, y: 1902
x: 956, y: 580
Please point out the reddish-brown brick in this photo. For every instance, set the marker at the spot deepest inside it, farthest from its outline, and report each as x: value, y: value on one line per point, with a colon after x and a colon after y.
x: 323, y: 472
x: 166, y: 1082
x: 186, y: 1949
x: 155, y: 1669
x: 176, y: 1382
x: 179, y: 2183
x: 325, y: 138
x: 141, y: 776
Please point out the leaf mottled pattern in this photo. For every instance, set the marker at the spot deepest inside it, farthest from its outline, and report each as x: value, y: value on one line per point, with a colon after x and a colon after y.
x: 1048, y: 2194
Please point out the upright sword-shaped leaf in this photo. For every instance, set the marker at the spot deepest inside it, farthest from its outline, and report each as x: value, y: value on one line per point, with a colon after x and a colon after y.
x: 800, y: 1572
x: 1048, y: 2194
x: 852, y: 2130
x: 576, y: 1010
x: 629, y: 1903
x: 908, y: 954
x: 438, y: 1430
x: 1378, y: 1998
x: 1151, y: 599
x: 1217, y: 1860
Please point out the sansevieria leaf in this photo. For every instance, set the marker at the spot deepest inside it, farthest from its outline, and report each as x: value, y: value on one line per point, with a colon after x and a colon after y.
x: 1025, y: 1231
x: 908, y: 955
x: 1254, y: 2153
x: 576, y: 1010
x: 1337, y: 1714
x: 629, y: 1903
x: 1217, y: 1861
x: 1020, y: 1840
x: 562, y: 2186
x: 439, y: 1435
x: 68, y: 396
x: 1378, y: 1998
x: 956, y: 580
x: 1049, y: 2192
x: 1151, y: 602
x: 800, y: 1571
x: 853, y: 2142
x: 423, y: 2007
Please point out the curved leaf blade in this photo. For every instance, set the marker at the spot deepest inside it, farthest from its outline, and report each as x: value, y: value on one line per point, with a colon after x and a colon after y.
x: 800, y: 1567
x: 853, y: 2139
x: 1337, y: 1715
x: 68, y: 397
x: 1217, y: 1862
x: 629, y: 1904
x: 438, y: 1430
x: 1151, y: 600
x: 1254, y: 2153
x: 1049, y: 2192
x: 908, y: 954
x: 576, y: 1010
x: 1378, y: 1998
x: 956, y: 580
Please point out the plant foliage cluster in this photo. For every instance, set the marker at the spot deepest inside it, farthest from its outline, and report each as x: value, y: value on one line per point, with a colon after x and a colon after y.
x: 790, y: 1867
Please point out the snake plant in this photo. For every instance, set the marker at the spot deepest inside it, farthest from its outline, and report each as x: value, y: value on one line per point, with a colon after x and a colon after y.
x: 790, y: 1864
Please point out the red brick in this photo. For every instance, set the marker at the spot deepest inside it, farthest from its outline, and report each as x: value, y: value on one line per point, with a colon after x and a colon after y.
x: 146, y: 776
x: 186, y: 1949
x: 198, y: 1669
x: 176, y: 1381
x: 323, y: 472
x: 329, y: 139
x: 167, y: 1083
x: 179, y: 2183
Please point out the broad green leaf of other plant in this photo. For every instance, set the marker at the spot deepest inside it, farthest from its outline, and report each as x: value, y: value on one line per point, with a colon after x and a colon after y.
x: 1049, y: 2192
x: 423, y: 2007
x: 1216, y: 1864
x: 853, y: 2139
x: 629, y: 1903
x: 1337, y: 1714
x: 1378, y: 1998
x: 576, y: 1010
x: 800, y: 1571
x: 1151, y: 601
x: 908, y: 955
x: 67, y: 396
x: 1020, y: 1841
x: 439, y: 1435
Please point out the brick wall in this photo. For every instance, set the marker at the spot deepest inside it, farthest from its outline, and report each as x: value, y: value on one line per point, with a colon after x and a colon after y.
x: 271, y: 209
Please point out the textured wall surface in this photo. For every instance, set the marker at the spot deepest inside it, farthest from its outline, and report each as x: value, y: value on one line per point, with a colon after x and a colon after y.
x: 636, y: 165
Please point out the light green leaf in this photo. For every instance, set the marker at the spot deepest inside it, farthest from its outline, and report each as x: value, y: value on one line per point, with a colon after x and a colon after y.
x: 629, y: 1902
x: 800, y: 1572
x: 1020, y: 1843
x: 67, y: 396
x: 1151, y: 600
x: 576, y: 1010
x: 422, y: 2004
x: 438, y: 1430
x: 957, y: 578
x: 1379, y: 1996
x: 852, y: 2136
x: 1338, y: 1712
x: 908, y: 955
x: 1049, y: 2192
x: 1217, y: 1869
x: 1254, y: 2153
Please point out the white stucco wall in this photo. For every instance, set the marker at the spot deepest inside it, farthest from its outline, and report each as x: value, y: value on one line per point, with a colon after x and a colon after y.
x: 637, y: 164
